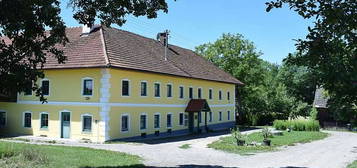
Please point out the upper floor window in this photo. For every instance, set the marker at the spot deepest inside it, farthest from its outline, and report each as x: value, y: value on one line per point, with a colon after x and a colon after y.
x: 220, y: 95
x: 87, y: 87
x: 199, y: 93
x: 45, y: 87
x: 228, y: 96
x: 143, y: 89
x: 169, y: 120
x: 157, y: 121
x: 142, y: 121
x: 2, y: 118
x: 210, y: 94
x: 28, y: 90
x: 190, y: 93
x: 125, y: 88
x: 169, y: 90
x: 181, y: 90
x: 157, y: 89
x: 124, y: 123
x: 27, y: 119
x: 87, y: 123
x: 44, y: 120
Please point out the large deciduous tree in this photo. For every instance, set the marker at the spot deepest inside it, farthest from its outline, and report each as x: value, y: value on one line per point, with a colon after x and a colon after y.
x: 330, y: 49
x: 25, y: 43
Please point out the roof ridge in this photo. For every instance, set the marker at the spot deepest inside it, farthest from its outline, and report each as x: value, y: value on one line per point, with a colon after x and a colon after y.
x: 107, y: 60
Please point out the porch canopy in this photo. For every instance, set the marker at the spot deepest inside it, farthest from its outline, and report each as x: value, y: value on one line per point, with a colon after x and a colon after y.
x: 198, y: 105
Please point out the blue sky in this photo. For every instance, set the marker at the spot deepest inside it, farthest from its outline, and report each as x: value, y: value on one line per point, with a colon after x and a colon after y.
x: 194, y: 22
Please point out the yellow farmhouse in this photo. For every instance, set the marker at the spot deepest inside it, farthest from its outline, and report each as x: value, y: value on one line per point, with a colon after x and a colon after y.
x: 118, y: 85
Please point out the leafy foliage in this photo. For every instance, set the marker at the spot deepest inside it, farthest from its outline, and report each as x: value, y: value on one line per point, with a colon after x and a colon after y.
x: 297, y: 125
x: 27, y: 44
x: 329, y: 50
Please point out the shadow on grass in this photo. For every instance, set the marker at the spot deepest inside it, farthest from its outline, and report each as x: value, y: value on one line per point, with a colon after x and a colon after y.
x: 180, y: 166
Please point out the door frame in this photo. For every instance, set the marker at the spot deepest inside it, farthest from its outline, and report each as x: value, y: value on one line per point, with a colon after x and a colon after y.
x: 60, y: 122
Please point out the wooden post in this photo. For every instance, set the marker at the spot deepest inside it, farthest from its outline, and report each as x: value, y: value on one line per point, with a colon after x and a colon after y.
x: 198, y: 122
x: 206, y: 121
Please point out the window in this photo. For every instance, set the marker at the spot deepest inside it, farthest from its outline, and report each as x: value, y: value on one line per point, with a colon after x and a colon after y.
x: 228, y: 115
x: 169, y: 90
x: 190, y: 93
x: 199, y: 93
x: 157, y: 121
x: 200, y: 117
x: 220, y: 116
x: 27, y: 120
x: 125, y: 88
x: 45, y: 87
x: 143, y: 91
x: 87, y: 123
x: 228, y: 96
x: 157, y: 89
x: 125, y: 123
x: 28, y: 90
x: 2, y: 118
x: 181, y: 92
x: 210, y: 116
x: 220, y: 95
x: 181, y: 119
x: 210, y: 94
x: 186, y: 119
x: 87, y: 87
x: 44, y: 120
x: 143, y: 121
x: 169, y: 120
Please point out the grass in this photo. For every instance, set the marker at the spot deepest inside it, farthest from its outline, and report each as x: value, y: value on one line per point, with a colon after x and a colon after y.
x: 228, y: 144
x: 353, y: 165
x: 185, y: 146
x: 41, y: 156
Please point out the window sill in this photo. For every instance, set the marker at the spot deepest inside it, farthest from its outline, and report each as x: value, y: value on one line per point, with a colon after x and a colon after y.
x: 87, y: 132
x: 43, y: 129
x: 126, y: 131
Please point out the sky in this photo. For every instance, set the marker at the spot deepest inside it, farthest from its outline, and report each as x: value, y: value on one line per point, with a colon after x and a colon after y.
x: 195, y: 22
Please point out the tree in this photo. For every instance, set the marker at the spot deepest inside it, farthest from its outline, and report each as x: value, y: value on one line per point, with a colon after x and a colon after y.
x: 330, y: 48
x: 25, y: 43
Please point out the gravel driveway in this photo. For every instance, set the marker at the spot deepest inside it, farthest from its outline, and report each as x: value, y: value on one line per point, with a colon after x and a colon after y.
x: 336, y: 151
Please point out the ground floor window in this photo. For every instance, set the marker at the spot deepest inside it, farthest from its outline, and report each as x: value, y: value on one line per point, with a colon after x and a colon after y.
x: 169, y: 120
x: 2, y: 118
x: 200, y: 117
x: 27, y: 119
x: 181, y: 119
x: 229, y: 115
x: 157, y: 121
x: 87, y: 123
x: 142, y: 121
x: 44, y: 120
x: 186, y: 119
x: 210, y: 116
x: 125, y: 123
x: 220, y: 116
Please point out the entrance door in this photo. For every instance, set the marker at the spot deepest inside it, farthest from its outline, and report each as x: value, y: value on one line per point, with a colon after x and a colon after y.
x: 65, y: 124
x: 191, y: 122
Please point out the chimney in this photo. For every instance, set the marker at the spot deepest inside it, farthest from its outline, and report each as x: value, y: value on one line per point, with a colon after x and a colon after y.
x: 163, y: 38
x: 85, y: 29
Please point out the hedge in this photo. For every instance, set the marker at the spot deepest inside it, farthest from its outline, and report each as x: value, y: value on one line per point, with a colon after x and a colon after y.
x: 297, y: 125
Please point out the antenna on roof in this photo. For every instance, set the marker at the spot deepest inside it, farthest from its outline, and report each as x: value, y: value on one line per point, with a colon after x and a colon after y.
x: 163, y: 38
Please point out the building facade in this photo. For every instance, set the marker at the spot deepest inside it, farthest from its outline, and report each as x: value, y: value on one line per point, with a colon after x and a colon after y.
x: 117, y: 85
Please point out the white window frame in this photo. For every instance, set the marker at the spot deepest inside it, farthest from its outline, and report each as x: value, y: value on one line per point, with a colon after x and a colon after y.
x: 210, y: 114
x: 183, y: 119
x: 23, y: 118
x: 171, y: 120
x: 2, y: 126
x: 146, y: 122
x: 228, y: 115
x: 82, y: 123
x: 160, y: 90
x: 228, y: 96
x: 159, y: 121
x: 121, y: 124
x: 220, y: 116
x: 48, y: 122
x: 82, y: 87
x: 143, y: 81
x: 193, y: 92
x: 49, y: 86
x: 220, y: 95
x: 172, y: 90
x: 32, y: 83
x: 121, y: 88
x: 200, y: 88
x: 210, y: 90
x: 183, y: 92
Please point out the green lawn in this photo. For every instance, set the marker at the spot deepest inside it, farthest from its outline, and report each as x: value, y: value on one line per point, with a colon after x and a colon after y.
x: 41, y: 156
x: 353, y: 165
x: 228, y: 144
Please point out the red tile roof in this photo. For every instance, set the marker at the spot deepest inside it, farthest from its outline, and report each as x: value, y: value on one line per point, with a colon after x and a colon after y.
x: 197, y: 105
x: 111, y: 47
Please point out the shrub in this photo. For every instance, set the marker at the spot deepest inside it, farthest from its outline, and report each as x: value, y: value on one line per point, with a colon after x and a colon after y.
x: 297, y: 125
x: 240, y: 138
x: 266, y: 133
